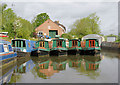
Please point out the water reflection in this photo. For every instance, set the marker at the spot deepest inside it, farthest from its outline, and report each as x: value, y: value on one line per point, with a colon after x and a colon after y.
x: 47, y: 67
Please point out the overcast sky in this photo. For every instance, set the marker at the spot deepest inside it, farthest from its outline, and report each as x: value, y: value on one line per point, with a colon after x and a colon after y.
x: 67, y: 12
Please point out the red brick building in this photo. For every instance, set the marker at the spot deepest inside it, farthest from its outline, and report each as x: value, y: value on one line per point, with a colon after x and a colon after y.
x: 51, y: 28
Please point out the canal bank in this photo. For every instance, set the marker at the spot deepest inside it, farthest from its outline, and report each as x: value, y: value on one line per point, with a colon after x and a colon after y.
x: 111, y: 46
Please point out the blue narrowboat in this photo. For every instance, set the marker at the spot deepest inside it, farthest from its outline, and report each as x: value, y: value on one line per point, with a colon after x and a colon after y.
x: 6, y: 53
x: 23, y: 47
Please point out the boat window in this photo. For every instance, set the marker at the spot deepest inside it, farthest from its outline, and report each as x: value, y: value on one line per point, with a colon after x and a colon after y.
x: 6, y: 48
x: 42, y: 44
x: 10, y: 48
x: 91, y: 43
x: 18, y: 43
x: 2, y: 49
x: 74, y: 43
x: 59, y: 43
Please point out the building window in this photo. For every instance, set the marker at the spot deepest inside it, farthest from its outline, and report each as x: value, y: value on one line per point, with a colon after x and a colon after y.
x: 40, y: 33
x: 48, y: 27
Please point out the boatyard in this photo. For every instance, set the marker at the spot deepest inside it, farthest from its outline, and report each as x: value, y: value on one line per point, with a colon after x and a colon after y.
x: 51, y: 47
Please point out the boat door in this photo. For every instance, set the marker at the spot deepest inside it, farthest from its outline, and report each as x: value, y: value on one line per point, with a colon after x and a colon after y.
x: 91, y: 43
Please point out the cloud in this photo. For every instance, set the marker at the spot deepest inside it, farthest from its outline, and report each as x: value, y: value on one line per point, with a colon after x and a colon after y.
x: 68, y: 12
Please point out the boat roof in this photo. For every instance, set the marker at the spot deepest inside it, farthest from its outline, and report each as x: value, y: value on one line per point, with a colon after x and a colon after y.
x: 45, y: 40
x: 91, y: 39
x: 59, y: 39
x: 74, y: 39
x: 18, y: 39
x: 4, y: 42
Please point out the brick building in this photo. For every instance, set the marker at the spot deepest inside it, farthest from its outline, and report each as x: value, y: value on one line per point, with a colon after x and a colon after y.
x: 51, y: 28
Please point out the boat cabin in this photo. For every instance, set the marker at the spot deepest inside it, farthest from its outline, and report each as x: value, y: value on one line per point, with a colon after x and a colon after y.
x: 6, y: 51
x: 74, y: 43
x: 92, y: 43
x: 42, y: 44
x: 59, y: 43
x: 23, y: 45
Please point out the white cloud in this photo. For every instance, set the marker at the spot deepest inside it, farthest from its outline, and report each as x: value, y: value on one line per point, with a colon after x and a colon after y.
x: 68, y: 12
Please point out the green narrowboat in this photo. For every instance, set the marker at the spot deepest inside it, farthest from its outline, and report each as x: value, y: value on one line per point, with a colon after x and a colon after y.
x: 90, y: 46
x: 58, y: 47
x: 74, y: 47
x: 41, y: 48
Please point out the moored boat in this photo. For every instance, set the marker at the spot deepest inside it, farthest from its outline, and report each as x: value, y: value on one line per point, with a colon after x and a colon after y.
x: 90, y: 46
x: 41, y: 48
x: 58, y: 47
x: 74, y: 47
x: 23, y: 47
x: 6, y: 53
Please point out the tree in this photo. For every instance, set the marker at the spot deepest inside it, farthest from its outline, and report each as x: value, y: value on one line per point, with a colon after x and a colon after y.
x: 24, y: 29
x: 8, y: 18
x: 39, y: 19
x: 66, y: 35
x: 85, y: 26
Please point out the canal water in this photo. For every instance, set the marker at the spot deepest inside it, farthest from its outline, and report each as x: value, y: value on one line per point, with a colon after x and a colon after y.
x: 101, y: 68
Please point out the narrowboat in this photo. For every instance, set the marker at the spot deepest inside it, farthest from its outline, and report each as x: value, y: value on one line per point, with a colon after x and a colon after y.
x: 41, y: 48
x: 23, y: 47
x: 90, y: 46
x: 74, y: 47
x: 6, y: 53
x: 58, y: 47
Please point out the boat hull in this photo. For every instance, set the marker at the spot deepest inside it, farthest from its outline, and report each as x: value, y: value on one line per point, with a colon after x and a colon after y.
x: 58, y: 53
x: 23, y: 54
x: 39, y: 53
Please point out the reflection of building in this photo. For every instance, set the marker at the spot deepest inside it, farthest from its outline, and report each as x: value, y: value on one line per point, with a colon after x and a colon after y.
x: 47, y: 69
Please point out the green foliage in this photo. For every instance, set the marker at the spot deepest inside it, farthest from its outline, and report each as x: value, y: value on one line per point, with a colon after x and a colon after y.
x: 15, y: 26
x: 25, y: 29
x: 8, y: 18
x: 66, y: 35
x: 85, y: 26
x: 39, y: 19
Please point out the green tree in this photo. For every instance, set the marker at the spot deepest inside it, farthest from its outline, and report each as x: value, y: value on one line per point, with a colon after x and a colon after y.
x: 8, y: 18
x: 85, y: 26
x: 39, y: 19
x: 66, y: 35
x: 25, y: 28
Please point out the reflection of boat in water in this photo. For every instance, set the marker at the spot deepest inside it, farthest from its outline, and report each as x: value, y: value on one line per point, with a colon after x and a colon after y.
x: 25, y: 67
x: 90, y: 66
x: 7, y: 76
x: 46, y: 67
x: 6, y: 72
